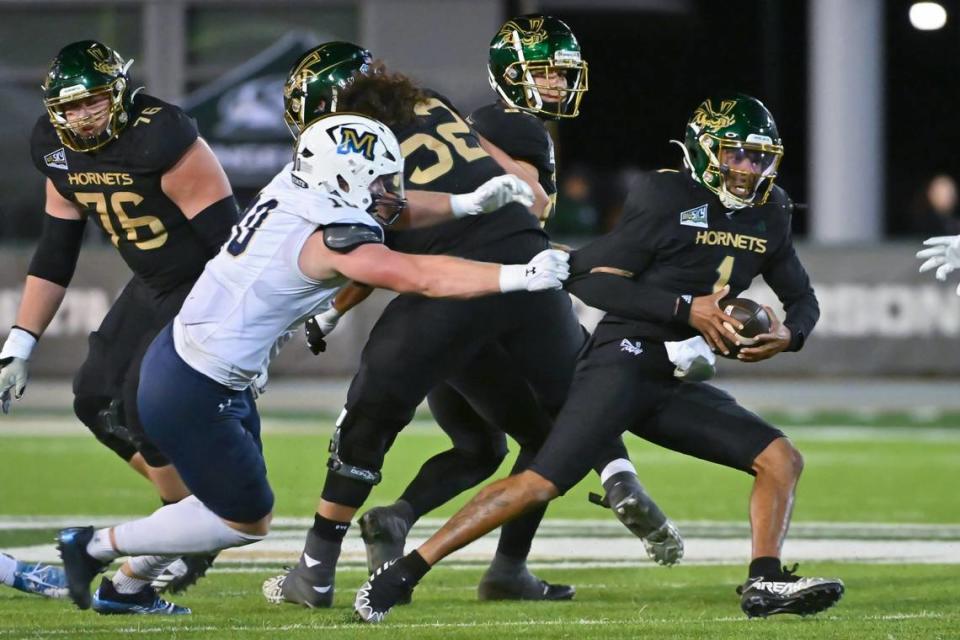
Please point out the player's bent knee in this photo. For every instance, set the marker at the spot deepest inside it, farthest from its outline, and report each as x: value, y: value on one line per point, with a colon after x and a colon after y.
x: 537, y: 488
x: 251, y: 531
x: 99, y: 415
x: 780, y: 459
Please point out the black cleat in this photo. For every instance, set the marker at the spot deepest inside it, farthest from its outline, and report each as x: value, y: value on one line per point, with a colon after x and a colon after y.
x: 183, y: 574
x: 382, y: 591
x: 384, y: 534
x: 508, y: 578
x: 80, y: 566
x: 788, y: 593
x: 638, y: 512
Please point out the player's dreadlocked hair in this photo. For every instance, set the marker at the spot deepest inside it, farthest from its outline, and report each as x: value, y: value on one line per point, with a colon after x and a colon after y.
x: 387, y: 97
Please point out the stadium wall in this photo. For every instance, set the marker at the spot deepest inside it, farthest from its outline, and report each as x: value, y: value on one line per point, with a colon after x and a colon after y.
x: 879, y: 317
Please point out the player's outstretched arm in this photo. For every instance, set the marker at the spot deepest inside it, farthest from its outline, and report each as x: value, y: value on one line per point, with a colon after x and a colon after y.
x: 432, y: 276
x: 426, y: 208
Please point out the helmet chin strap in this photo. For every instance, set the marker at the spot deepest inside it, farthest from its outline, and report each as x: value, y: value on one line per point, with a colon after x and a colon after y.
x: 687, y: 162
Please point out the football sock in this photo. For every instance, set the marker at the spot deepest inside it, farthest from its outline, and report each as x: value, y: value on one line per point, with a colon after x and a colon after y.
x: 765, y: 567
x: 330, y: 530
x: 413, y: 567
x: 100, y: 546
x: 616, y: 466
x: 445, y: 476
x: 516, y: 536
x: 182, y: 528
x: 145, y: 568
x: 8, y: 567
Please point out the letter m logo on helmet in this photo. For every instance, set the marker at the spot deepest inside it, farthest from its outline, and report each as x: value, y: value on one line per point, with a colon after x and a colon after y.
x: 352, y: 142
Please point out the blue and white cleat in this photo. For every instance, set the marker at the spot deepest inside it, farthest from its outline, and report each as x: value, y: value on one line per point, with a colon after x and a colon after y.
x: 146, y: 602
x: 80, y: 567
x: 40, y: 579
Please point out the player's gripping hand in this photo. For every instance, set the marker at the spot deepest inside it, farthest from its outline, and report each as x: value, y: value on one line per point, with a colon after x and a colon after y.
x: 547, y: 270
x: 707, y: 318
x: 319, y: 327
x: 491, y: 195
x: 768, y: 344
x: 943, y: 254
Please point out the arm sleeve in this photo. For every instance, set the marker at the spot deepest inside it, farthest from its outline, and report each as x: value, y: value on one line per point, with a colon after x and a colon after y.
x: 789, y: 280
x: 214, y: 223
x: 628, y: 249
x: 56, y: 256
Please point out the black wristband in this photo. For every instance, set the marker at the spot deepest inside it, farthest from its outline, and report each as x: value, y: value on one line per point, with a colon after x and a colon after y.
x: 214, y: 223
x: 56, y: 256
x: 682, y: 311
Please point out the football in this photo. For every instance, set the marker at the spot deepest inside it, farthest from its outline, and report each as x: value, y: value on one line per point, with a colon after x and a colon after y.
x: 754, y: 318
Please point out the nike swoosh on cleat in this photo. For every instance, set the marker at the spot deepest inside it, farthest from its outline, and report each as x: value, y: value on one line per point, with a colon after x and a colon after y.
x: 322, y: 589
x: 310, y: 562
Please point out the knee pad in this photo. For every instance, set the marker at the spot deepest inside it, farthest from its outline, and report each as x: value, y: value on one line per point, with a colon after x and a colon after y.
x: 103, y: 417
x: 357, y: 449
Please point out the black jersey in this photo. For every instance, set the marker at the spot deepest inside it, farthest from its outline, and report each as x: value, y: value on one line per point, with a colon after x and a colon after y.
x: 119, y: 187
x: 522, y: 136
x: 442, y: 153
x: 677, y: 239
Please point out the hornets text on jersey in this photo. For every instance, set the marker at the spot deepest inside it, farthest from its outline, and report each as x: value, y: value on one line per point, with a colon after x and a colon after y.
x: 677, y: 239
x: 119, y: 187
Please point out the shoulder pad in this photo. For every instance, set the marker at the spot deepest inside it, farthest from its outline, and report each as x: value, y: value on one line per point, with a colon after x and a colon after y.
x: 344, y: 237
x: 159, y: 134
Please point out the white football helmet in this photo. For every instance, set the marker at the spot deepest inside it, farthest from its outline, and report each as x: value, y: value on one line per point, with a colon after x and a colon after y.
x: 355, y: 159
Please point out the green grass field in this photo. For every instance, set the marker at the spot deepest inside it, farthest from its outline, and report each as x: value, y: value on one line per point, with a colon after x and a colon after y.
x: 884, y: 474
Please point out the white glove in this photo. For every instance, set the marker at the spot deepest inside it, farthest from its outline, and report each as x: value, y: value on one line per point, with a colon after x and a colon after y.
x: 944, y: 254
x: 13, y: 366
x: 695, y: 361
x: 547, y: 270
x: 491, y: 195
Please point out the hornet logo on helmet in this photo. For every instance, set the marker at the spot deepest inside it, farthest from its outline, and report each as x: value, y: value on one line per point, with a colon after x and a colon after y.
x: 706, y: 117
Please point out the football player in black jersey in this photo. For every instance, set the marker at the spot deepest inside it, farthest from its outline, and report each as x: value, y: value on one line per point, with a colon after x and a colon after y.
x: 414, y: 347
x: 535, y: 68
x: 685, y: 241
x: 135, y: 165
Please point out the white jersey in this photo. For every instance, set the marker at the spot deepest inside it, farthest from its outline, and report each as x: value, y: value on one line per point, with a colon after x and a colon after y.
x: 252, y: 294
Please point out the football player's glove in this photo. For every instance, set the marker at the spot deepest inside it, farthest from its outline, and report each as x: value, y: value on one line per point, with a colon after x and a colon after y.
x: 943, y: 255
x: 13, y: 365
x: 491, y: 195
x: 734, y: 126
x: 319, y: 327
x: 547, y: 270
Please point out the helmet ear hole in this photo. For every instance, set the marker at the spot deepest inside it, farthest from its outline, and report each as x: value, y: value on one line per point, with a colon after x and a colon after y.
x: 343, y: 184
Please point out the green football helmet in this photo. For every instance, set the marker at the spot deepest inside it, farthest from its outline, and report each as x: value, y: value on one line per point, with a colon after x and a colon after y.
x: 732, y: 147
x: 81, y: 71
x: 537, y: 47
x: 316, y: 78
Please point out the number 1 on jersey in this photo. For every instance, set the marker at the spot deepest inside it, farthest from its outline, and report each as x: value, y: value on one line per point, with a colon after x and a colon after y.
x: 723, y: 273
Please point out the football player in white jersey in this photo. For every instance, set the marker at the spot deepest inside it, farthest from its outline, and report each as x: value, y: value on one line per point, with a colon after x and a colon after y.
x: 315, y: 226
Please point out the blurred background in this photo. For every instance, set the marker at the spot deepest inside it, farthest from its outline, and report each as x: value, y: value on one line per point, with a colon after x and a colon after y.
x: 864, y: 93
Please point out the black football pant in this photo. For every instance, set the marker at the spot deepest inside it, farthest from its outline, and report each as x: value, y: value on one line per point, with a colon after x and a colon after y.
x: 418, y: 343
x: 111, y: 371
x: 628, y: 385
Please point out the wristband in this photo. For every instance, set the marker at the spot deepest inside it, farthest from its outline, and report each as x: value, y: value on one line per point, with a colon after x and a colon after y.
x: 19, y: 344
x: 513, y: 277
x: 682, y: 311
x: 461, y: 204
